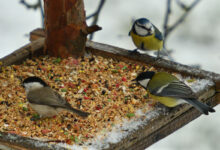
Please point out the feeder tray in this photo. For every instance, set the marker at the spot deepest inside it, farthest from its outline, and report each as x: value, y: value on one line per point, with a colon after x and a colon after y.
x: 155, y: 126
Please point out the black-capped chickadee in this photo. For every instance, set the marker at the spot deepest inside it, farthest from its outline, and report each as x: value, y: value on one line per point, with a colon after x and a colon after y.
x: 168, y: 90
x: 44, y: 100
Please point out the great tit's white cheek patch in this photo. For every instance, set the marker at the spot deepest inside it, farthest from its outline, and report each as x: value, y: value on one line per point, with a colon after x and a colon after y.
x: 144, y: 82
x: 140, y: 31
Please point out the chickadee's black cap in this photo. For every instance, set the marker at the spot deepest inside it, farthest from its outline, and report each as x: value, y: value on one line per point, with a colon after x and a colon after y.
x: 145, y: 75
x: 34, y: 79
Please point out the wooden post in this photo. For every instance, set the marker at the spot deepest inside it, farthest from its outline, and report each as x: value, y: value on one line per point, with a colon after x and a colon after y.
x: 65, y: 27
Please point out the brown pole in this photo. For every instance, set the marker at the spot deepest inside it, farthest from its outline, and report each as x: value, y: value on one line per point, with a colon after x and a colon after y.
x: 65, y: 28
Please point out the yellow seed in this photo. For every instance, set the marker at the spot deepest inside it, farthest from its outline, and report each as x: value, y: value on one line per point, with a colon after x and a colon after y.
x: 133, y: 101
x: 131, y: 108
x: 137, y: 67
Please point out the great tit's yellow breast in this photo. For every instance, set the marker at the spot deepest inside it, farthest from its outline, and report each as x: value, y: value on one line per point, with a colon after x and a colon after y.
x: 167, y: 101
x: 149, y: 42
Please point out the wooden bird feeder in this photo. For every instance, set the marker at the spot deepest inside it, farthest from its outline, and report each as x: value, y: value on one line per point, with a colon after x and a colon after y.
x: 154, y: 128
x: 158, y: 126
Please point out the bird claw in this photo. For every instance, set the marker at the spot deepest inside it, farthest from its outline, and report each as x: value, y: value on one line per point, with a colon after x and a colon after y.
x: 134, y: 52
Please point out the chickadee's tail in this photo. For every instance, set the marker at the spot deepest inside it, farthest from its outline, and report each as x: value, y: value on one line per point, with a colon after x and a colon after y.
x: 79, y: 112
x: 203, y: 108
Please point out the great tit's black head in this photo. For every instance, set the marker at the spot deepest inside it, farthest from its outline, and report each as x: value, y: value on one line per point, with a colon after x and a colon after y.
x: 143, y: 27
x: 144, y: 77
x: 34, y: 82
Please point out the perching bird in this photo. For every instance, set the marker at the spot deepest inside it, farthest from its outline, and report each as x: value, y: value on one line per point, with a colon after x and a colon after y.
x: 44, y: 100
x: 168, y: 90
x: 146, y: 36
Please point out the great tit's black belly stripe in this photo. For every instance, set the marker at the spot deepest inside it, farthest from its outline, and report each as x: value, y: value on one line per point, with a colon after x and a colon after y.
x: 142, y: 45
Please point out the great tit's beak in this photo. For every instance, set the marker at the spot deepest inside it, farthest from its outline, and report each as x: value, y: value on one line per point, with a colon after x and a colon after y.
x: 134, y: 80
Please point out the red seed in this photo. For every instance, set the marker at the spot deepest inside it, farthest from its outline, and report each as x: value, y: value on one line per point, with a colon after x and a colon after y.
x: 121, y: 66
x: 117, y: 85
x: 85, y: 97
x: 45, y: 131
x: 75, y: 62
x: 124, y: 79
x: 85, y: 90
x: 98, y: 107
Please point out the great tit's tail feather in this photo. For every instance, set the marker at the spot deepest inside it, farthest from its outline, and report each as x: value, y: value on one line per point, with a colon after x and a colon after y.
x: 203, y: 108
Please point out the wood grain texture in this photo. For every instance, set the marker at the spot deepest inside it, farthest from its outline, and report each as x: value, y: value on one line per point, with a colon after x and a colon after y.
x: 65, y: 28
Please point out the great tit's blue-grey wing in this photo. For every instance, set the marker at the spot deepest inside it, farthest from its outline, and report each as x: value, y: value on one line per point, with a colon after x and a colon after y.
x: 46, y: 96
x: 158, y: 34
x: 176, y: 89
x: 180, y: 90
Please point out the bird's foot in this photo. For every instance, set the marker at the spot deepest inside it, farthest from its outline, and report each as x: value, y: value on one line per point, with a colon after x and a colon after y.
x: 134, y: 52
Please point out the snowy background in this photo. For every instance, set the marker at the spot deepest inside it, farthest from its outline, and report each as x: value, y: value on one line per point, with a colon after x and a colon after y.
x: 196, y: 41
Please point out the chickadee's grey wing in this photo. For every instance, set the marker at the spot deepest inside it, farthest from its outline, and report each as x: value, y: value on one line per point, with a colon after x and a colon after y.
x: 175, y: 89
x: 46, y: 96
x: 69, y: 107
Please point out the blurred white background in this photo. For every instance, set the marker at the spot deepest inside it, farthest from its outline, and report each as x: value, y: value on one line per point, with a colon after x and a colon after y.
x: 196, y: 41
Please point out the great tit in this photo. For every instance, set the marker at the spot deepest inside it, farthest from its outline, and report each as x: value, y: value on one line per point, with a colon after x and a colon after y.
x: 170, y: 91
x: 146, y: 36
x: 44, y: 100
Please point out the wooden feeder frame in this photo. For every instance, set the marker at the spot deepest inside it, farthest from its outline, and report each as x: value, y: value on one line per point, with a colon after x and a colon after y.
x: 145, y: 136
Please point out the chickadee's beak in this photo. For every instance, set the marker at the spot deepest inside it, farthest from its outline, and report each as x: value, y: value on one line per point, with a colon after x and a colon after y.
x: 22, y: 85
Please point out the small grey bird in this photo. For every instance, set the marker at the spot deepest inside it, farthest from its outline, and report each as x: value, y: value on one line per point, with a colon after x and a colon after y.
x: 44, y: 100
